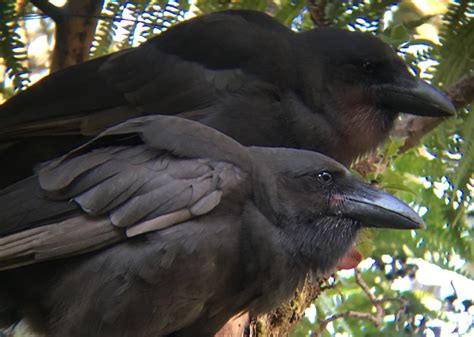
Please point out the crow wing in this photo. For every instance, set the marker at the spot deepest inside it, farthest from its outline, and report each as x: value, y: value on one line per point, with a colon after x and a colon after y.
x: 222, y: 69
x: 193, y: 66
x: 98, y: 195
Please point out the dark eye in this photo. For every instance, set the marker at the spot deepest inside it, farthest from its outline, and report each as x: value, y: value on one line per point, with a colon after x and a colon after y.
x: 325, y: 177
x: 368, y: 66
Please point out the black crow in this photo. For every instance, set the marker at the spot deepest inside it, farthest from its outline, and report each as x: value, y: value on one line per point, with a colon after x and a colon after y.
x: 162, y: 226
x: 241, y: 72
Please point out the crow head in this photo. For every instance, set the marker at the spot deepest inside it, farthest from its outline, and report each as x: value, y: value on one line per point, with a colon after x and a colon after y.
x: 320, y: 206
x: 357, y: 82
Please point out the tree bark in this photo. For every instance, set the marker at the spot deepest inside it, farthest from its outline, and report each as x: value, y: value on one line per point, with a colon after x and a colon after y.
x: 76, y: 23
x: 280, y: 321
x: 236, y: 326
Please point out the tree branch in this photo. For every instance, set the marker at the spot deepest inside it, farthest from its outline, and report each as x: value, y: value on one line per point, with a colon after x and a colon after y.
x: 75, y: 32
x: 462, y: 92
x: 48, y: 8
x: 282, y: 320
x: 375, y: 318
x: 317, y: 12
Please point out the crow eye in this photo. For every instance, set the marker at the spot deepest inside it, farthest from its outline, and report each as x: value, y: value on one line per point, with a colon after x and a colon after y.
x: 325, y: 177
x: 368, y: 66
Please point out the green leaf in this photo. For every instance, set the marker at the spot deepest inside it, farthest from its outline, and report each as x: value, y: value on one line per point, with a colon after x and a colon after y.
x: 12, y: 47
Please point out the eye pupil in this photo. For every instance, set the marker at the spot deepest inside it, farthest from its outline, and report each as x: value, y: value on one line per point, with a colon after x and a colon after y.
x: 367, y: 66
x: 325, y: 177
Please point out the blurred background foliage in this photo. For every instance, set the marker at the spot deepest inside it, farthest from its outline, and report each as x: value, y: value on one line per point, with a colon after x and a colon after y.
x: 436, y: 38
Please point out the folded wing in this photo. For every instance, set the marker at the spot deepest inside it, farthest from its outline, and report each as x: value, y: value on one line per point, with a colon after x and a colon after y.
x: 99, y: 195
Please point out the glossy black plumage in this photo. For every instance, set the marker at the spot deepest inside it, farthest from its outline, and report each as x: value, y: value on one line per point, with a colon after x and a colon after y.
x: 241, y: 72
x: 164, y: 227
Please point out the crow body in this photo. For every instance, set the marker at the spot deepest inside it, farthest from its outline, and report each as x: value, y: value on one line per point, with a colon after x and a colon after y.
x: 162, y: 226
x: 240, y: 72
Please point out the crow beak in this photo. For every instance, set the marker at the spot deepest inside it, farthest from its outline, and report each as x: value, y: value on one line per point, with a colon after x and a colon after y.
x: 375, y: 208
x: 415, y: 97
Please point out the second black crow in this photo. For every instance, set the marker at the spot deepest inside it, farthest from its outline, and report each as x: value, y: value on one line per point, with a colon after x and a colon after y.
x: 241, y: 72
x: 165, y: 227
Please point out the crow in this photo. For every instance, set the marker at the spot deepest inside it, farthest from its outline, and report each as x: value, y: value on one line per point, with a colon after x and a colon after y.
x: 241, y: 72
x: 162, y: 226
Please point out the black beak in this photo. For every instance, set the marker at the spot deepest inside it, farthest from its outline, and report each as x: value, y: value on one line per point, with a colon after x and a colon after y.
x: 415, y: 97
x: 375, y: 208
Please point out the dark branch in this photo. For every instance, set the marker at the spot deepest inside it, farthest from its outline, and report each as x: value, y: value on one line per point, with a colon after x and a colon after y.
x: 317, y: 12
x: 74, y: 36
x: 48, y: 8
x: 377, y: 317
x: 345, y: 314
x: 283, y: 319
x: 462, y: 92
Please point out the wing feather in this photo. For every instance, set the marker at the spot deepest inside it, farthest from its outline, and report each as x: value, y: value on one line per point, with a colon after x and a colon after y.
x: 70, y: 237
x: 98, y: 198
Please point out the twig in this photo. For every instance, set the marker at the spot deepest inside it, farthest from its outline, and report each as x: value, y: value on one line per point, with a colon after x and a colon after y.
x: 376, y: 318
x: 403, y: 305
x: 376, y: 303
